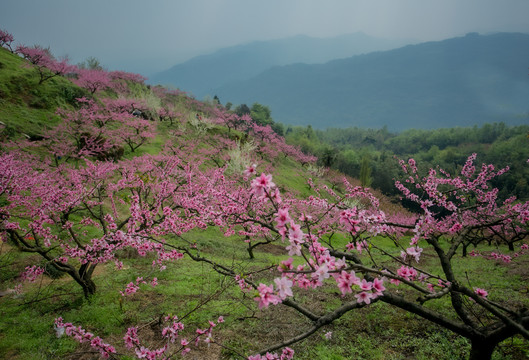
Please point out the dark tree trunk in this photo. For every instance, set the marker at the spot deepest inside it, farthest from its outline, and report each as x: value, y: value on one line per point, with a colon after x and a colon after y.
x: 89, y: 287
x: 84, y: 278
x: 482, y: 349
x: 250, y: 251
x: 465, y: 246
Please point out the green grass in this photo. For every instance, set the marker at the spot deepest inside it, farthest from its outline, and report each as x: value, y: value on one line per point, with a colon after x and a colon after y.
x: 26, y: 106
x: 183, y: 287
x: 375, y: 332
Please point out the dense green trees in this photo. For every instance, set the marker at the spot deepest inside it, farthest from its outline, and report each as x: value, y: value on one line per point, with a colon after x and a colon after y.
x: 261, y: 114
x: 369, y: 154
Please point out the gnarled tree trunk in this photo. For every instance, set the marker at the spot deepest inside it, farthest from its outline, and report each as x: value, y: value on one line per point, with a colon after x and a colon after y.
x: 482, y: 349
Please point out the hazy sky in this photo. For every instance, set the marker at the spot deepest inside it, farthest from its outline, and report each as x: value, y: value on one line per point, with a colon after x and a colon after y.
x: 152, y: 35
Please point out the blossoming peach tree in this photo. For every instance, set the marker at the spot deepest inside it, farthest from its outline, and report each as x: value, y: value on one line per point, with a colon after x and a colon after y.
x: 43, y: 61
x: 143, y: 202
x: 456, y: 212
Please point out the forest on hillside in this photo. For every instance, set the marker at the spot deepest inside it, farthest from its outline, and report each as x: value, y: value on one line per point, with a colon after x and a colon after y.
x: 370, y: 154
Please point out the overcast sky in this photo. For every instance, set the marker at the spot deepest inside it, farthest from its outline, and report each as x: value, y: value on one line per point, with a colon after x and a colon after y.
x: 152, y: 35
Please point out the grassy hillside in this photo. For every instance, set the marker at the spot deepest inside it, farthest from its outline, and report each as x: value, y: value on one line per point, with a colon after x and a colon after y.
x: 191, y: 143
x: 26, y: 106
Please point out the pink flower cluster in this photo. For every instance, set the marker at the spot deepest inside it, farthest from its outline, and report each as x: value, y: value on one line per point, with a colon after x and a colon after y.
x: 42, y: 60
x: 250, y: 171
x: 31, y: 273
x: 405, y: 272
x: 286, y: 354
x: 132, y: 341
x: 505, y: 258
x: 481, y: 292
x: 6, y: 39
x: 414, y: 252
x: 170, y: 332
x: 296, y: 238
x: 262, y: 185
x: 83, y: 336
x: 499, y: 256
x: 370, y: 290
x: 359, y: 246
x: 132, y: 287
x: 349, y: 220
x: 266, y: 296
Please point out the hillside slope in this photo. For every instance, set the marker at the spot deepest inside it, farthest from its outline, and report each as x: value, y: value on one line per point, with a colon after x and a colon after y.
x: 25, y: 105
x: 456, y: 82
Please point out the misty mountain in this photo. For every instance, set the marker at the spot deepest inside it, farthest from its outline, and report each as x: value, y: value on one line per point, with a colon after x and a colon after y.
x: 455, y: 82
x: 202, y: 74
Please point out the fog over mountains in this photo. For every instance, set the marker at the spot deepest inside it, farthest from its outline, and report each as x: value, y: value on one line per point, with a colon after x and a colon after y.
x: 461, y: 81
x: 203, y: 74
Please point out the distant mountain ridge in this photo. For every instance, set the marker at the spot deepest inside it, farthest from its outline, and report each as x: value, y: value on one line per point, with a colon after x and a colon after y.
x: 201, y: 75
x: 461, y: 81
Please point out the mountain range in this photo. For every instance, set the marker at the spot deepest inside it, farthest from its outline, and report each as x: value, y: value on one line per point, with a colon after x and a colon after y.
x: 203, y: 74
x: 464, y: 81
